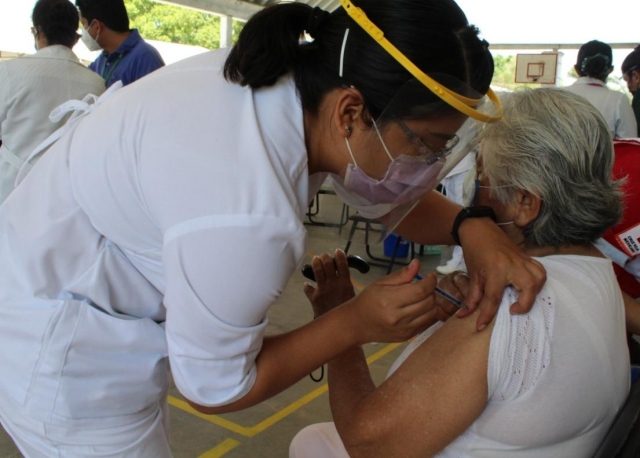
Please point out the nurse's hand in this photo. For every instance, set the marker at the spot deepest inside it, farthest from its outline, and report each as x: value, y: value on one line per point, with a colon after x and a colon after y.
x: 495, y: 262
x: 333, y: 282
x: 394, y: 308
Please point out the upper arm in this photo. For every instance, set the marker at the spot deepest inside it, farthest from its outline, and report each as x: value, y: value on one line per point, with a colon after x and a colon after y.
x: 434, y: 396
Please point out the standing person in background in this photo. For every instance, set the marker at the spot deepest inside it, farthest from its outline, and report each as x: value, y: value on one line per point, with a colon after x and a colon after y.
x: 126, y: 56
x: 32, y: 86
x: 595, y: 63
x: 631, y: 74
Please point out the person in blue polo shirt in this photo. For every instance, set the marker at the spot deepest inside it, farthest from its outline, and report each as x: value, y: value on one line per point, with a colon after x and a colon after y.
x: 126, y: 56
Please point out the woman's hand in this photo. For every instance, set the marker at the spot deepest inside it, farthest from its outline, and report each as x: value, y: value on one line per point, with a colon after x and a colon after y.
x: 457, y: 284
x: 495, y: 262
x: 392, y: 309
x: 333, y: 282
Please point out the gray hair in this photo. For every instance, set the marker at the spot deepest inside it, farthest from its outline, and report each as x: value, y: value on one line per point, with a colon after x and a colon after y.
x: 555, y: 145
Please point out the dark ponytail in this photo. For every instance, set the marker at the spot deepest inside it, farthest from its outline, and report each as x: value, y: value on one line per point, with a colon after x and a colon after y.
x: 595, y: 59
x: 268, y: 46
x: 595, y: 66
x: 433, y: 34
x: 57, y: 20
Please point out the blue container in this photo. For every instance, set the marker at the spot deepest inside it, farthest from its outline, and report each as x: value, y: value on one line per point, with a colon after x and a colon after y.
x: 390, y: 245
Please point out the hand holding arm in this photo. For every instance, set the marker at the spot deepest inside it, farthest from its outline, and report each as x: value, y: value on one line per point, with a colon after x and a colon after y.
x: 494, y: 261
x: 492, y: 270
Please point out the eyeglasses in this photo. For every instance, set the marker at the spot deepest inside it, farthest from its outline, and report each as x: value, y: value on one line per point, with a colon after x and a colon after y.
x: 628, y: 72
x: 422, y: 147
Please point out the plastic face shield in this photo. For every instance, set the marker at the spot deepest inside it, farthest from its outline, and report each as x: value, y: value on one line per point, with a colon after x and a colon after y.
x: 423, y: 133
x: 409, y: 127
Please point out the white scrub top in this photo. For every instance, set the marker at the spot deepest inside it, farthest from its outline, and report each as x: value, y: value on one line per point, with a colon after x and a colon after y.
x: 614, y: 106
x: 164, y: 224
x: 30, y: 87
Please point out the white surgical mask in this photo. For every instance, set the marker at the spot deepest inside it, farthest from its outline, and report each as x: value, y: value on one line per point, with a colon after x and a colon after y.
x: 90, y: 42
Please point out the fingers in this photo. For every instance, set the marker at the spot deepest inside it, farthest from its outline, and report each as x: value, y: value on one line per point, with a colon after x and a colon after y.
x: 462, y: 282
x: 489, y: 306
x: 408, y: 294
x: 341, y: 264
x: 402, y: 276
x: 473, y: 296
x: 318, y: 270
x: 308, y: 291
x: 529, y: 287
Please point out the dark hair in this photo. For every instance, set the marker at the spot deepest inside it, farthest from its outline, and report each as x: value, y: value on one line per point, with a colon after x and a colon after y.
x: 632, y: 61
x: 595, y: 58
x: 57, y: 20
x: 433, y: 34
x: 111, y: 13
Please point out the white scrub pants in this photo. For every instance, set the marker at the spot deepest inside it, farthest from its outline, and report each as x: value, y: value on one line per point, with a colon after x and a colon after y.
x: 318, y: 441
x: 143, y: 438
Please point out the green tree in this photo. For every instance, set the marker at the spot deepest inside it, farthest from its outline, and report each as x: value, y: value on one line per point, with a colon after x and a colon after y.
x: 504, y: 73
x: 175, y: 24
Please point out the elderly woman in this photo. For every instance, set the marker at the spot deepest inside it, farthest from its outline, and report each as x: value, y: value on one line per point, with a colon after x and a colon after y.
x: 548, y: 383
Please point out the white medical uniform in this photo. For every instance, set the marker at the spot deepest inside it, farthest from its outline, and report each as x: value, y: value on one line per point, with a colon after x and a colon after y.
x: 160, y: 229
x: 556, y: 376
x: 614, y: 106
x: 30, y: 87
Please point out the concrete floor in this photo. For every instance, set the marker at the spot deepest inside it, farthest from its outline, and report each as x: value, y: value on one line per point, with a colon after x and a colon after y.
x: 265, y: 431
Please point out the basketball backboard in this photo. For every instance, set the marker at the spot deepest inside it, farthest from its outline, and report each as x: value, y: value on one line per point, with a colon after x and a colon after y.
x: 537, y: 68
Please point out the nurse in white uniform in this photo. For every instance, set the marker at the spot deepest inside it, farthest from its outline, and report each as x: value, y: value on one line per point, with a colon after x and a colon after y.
x: 161, y: 227
x: 595, y: 63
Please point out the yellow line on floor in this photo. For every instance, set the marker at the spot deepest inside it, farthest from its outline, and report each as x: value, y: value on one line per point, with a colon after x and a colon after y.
x: 215, y: 419
x: 273, y: 419
x: 220, y: 449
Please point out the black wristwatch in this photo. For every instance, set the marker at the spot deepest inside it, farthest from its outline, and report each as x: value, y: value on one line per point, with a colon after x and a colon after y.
x: 470, y: 212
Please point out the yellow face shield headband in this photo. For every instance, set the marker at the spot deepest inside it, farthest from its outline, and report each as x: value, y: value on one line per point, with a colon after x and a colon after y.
x: 459, y: 102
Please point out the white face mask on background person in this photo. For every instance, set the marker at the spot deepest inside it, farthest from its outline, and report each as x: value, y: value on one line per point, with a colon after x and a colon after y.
x: 90, y: 42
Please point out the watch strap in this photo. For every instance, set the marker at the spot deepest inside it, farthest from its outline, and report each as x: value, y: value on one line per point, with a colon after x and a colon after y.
x: 470, y: 212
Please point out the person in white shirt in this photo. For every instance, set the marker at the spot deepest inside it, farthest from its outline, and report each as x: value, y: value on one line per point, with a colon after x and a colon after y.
x: 162, y: 226
x: 548, y: 383
x: 595, y: 63
x: 32, y: 86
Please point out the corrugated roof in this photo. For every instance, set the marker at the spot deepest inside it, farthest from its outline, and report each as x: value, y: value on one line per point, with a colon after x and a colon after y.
x: 243, y: 9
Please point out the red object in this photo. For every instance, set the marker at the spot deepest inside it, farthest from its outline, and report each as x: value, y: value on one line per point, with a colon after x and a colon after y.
x: 627, y: 164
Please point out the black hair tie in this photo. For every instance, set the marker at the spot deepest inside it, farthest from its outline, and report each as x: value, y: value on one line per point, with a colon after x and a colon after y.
x: 598, y: 57
x: 315, y: 18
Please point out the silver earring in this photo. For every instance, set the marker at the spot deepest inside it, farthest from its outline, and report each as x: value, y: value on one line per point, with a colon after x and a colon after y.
x: 349, y: 129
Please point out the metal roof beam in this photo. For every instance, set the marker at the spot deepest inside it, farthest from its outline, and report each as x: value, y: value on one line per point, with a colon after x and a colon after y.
x: 235, y: 8
x: 556, y: 46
